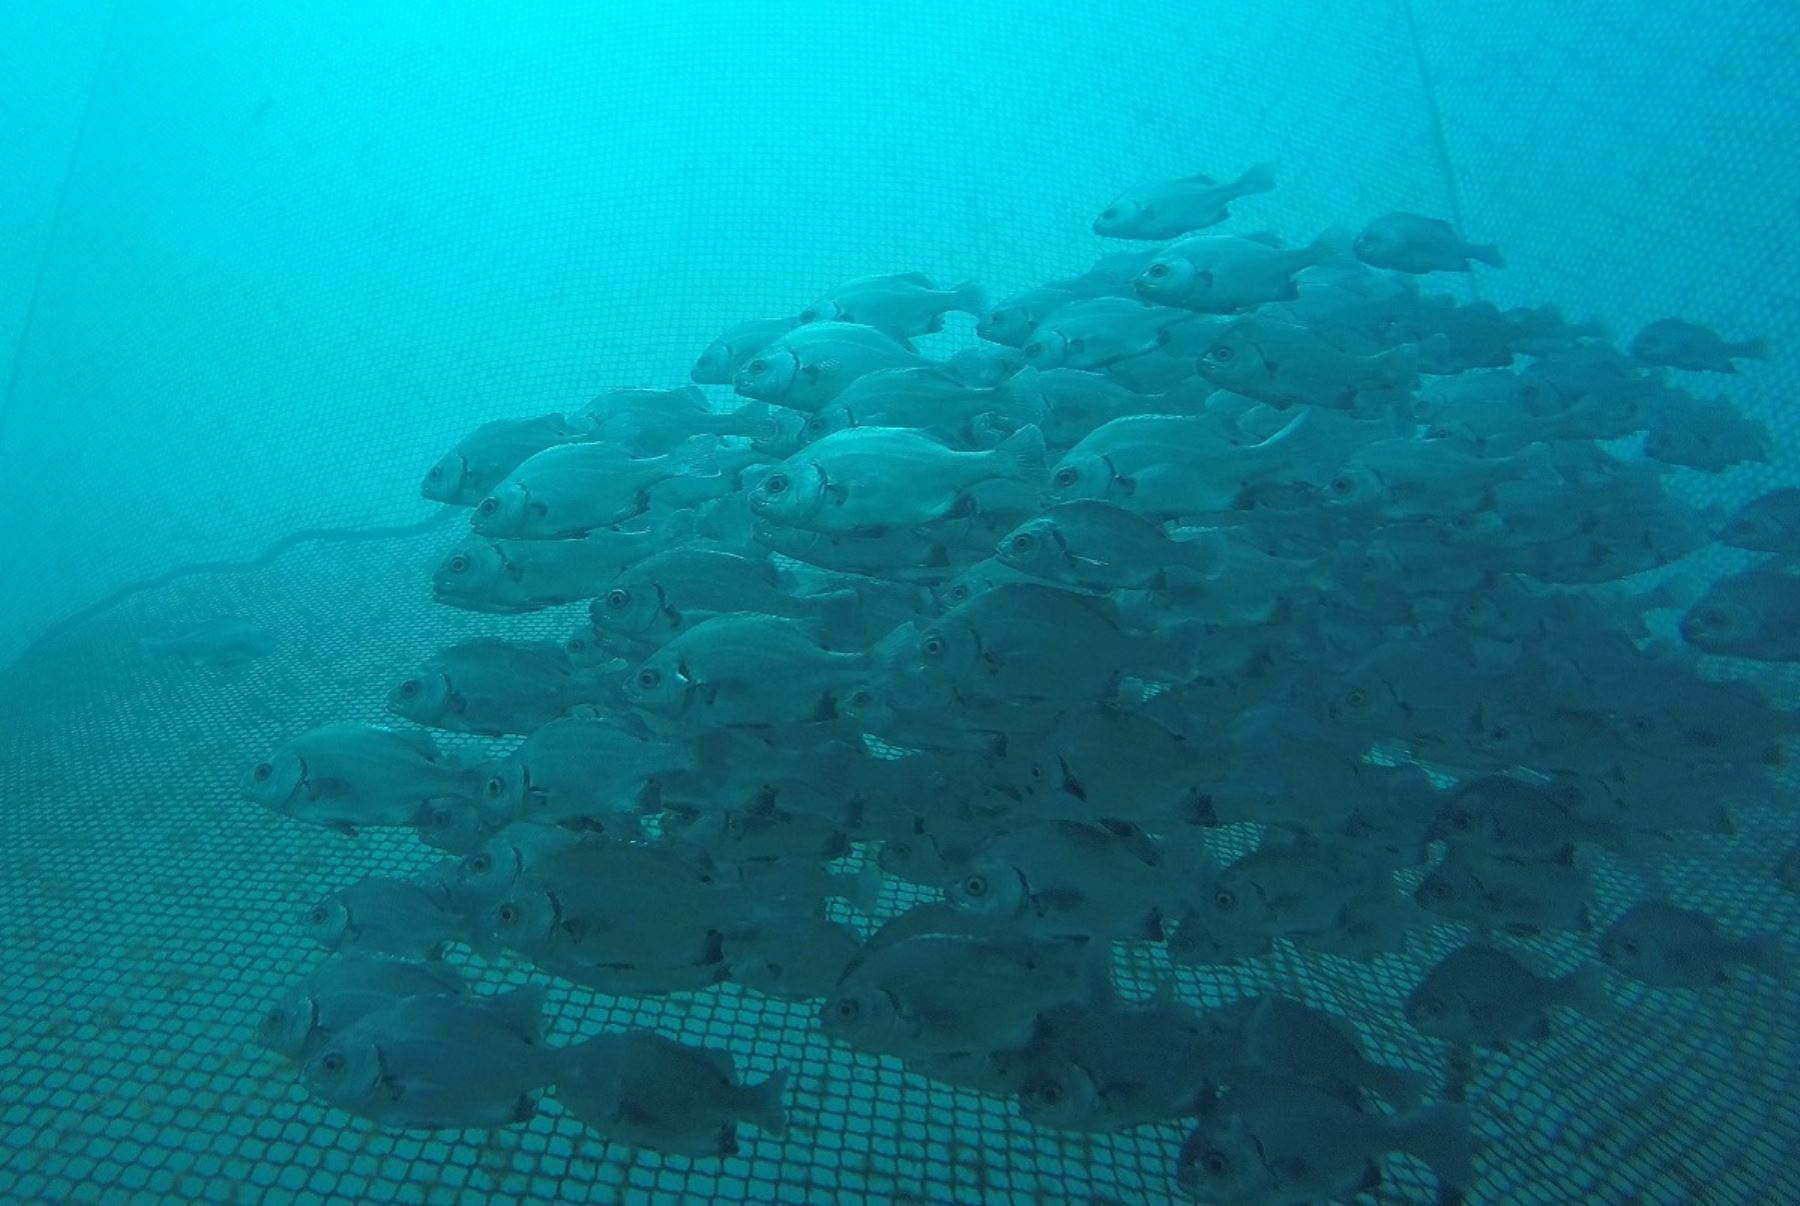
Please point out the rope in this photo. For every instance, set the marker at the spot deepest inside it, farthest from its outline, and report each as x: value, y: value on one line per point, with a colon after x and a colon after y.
x: 1429, y: 87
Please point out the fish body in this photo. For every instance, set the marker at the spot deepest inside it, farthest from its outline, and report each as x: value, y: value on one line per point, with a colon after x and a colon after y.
x: 446, y: 1061
x: 872, y: 478
x: 1768, y: 523
x: 1677, y: 343
x: 1666, y: 946
x: 1407, y: 242
x: 581, y: 766
x: 511, y: 576
x: 573, y: 489
x: 493, y: 687
x: 1063, y: 877
x: 341, y: 990
x: 1169, y: 208
x: 927, y: 400
x: 347, y: 775
x: 1754, y: 614
x: 220, y: 641
x: 651, y: 422
x: 1215, y: 275
x: 482, y: 459
x: 387, y: 916
x: 1100, y: 546
x: 796, y: 958
x: 1098, y: 332
x: 669, y: 592
x: 810, y: 365
x: 902, y: 305
x: 1272, y: 1142
x: 1520, y: 896
x: 643, y: 1090
x: 724, y: 356
x: 1481, y: 996
x: 1286, y: 364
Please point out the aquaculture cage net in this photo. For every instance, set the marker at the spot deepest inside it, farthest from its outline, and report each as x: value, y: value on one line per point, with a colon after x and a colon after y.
x: 294, y: 257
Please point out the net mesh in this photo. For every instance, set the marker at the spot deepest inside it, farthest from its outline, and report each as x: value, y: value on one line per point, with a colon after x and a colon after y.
x: 294, y: 258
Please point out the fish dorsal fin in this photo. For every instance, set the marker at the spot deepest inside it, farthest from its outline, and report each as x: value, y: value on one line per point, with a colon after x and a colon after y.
x: 915, y: 278
x: 1199, y: 178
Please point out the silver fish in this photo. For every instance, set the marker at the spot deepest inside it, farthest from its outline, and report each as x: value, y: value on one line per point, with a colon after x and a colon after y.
x: 347, y: 775
x: 1407, y: 242
x: 481, y: 459
x: 724, y: 356
x: 903, y: 305
x: 340, y: 991
x: 388, y: 916
x: 810, y: 365
x: 1482, y: 996
x: 1174, y: 207
x: 1667, y: 946
x: 573, y: 489
x: 638, y: 1088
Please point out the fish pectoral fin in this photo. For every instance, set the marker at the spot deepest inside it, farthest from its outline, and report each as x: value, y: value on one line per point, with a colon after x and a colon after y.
x: 343, y: 827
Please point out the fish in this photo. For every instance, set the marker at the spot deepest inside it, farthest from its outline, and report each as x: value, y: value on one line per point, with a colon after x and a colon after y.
x: 745, y: 668
x: 493, y: 687
x: 1063, y: 877
x: 1753, y: 614
x: 1680, y: 344
x: 1114, y: 1066
x: 1506, y: 817
x: 641, y: 1089
x: 346, y: 776
x: 870, y: 479
x: 1273, y: 1034
x: 578, y: 767
x: 1169, y: 208
x: 943, y: 994
x: 571, y: 490
x: 1223, y: 275
x: 483, y: 878
x: 1299, y: 887
x: 927, y: 400
x: 439, y: 1062
x: 1664, y: 945
x: 1076, y: 401
x: 1405, y: 242
x: 217, y: 641
x: 1286, y: 364
x: 1479, y: 995
x: 386, y: 916
x: 903, y: 305
x: 1768, y: 523
x: 511, y: 576
x: 481, y: 460
x: 810, y: 365
x: 1098, y: 332
x: 1520, y: 896
x: 796, y: 958
x: 1269, y: 1142
x: 725, y: 355
x: 342, y: 990
x: 1011, y: 321
x: 1124, y: 764
x: 1709, y: 434
x: 1099, y: 546
x: 669, y: 592
x: 653, y: 422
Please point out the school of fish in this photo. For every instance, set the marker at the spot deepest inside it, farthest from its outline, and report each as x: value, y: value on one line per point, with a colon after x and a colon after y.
x: 1231, y: 596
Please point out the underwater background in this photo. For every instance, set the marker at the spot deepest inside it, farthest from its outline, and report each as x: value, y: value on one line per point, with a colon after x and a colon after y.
x: 261, y: 264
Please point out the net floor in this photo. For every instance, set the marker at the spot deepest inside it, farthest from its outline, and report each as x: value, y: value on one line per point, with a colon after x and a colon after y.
x: 148, y: 915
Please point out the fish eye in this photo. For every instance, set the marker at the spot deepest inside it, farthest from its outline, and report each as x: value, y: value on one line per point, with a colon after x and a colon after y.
x: 459, y: 564
x: 648, y: 679
x: 933, y: 647
x: 1222, y: 353
x: 1431, y: 1007
x: 1049, y: 1094
x: 496, y: 786
x: 1642, y: 726
x: 1629, y: 948
x: 507, y: 914
x: 441, y: 818
x: 275, y: 1017
x: 862, y: 697
x: 262, y: 772
x: 1437, y: 890
x: 757, y: 366
x: 488, y: 507
x: 409, y: 688
x: 975, y: 885
x: 1342, y: 485
x: 1022, y: 543
x: 1215, y: 1163
x: 1711, y: 619
x: 809, y: 315
x: 331, y: 1061
x: 900, y: 849
x: 479, y: 864
x: 959, y: 593
x: 317, y: 915
x: 1033, y: 350
x: 1065, y: 477
x: 846, y: 1010
x: 775, y: 483
x: 1225, y: 900
x: 1109, y: 213
x: 1159, y: 270
x: 575, y: 645
x: 436, y: 474
x: 1037, y: 771
x: 1356, y: 699
x: 616, y: 599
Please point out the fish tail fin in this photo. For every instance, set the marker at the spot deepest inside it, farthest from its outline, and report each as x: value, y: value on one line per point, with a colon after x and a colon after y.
x: 1443, y: 1137
x: 840, y: 616
x: 1486, y: 253
x: 1400, y: 366
x: 762, y: 1105
x: 864, y: 893
x: 1768, y: 954
x: 1257, y: 179
x: 522, y: 1010
x: 971, y: 298
x: 1755, y: 349
x: 1022, y: 454
x: 753, y: 421
x: 1197, y: 551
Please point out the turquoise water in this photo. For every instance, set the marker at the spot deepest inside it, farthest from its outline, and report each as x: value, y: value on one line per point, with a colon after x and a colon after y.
x: 262, y: 264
